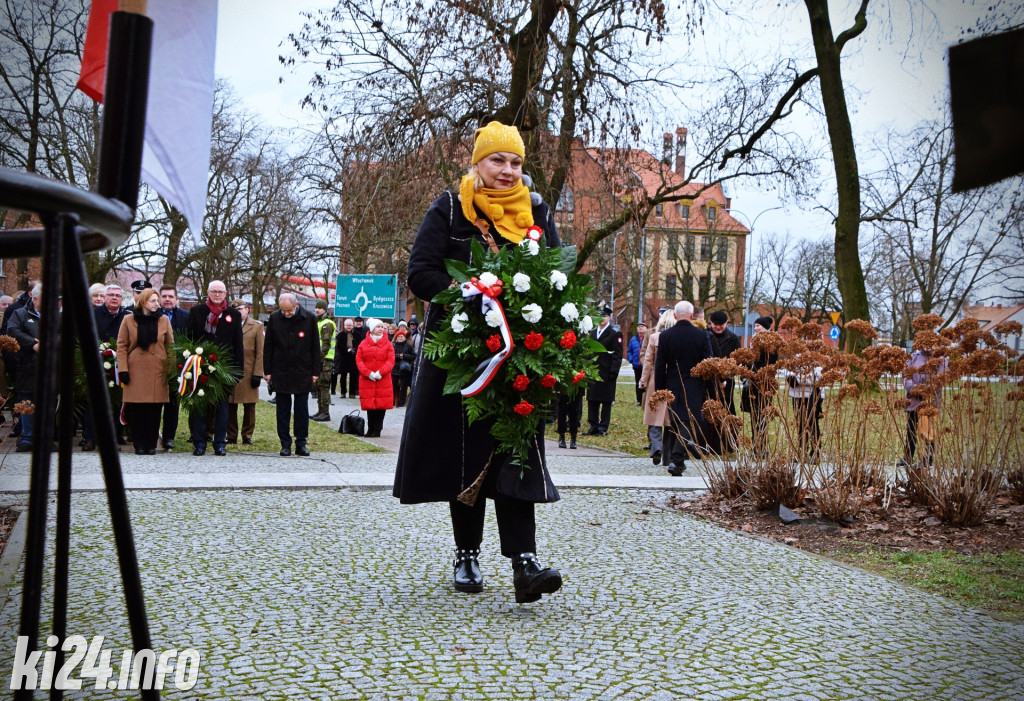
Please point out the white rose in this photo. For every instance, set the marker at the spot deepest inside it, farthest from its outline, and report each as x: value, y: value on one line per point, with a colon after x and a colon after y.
x: 533, y: 247
x: 586, y: 324
x: 201, y: 393
x: 558, y: 279
x: 532, y: 313
x: 493, y: 318
x: 107, y: 366
x: 110, y: 384
x: 459, y: 322
x: 521, y: 282
x: 188, y: 376
x: 199, y: 350
x: 185, y: 354
x: 488, y: 279
x: 569, y: 311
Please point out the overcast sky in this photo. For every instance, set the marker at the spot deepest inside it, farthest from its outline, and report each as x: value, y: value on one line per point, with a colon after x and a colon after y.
x: 895, y: 72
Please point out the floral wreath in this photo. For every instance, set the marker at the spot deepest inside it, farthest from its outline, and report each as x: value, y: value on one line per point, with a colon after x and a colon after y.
x: 202, y: 374
x: 515, y: 336
x: 111, y: 376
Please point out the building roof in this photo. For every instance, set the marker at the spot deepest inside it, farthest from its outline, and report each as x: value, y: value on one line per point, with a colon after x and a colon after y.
x: 991, y: 316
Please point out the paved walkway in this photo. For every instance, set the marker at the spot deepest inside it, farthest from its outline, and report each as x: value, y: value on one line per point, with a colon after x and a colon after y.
x: 332, y: 590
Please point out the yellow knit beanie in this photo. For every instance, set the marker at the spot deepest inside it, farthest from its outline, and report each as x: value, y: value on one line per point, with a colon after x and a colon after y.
x: 494, y: 138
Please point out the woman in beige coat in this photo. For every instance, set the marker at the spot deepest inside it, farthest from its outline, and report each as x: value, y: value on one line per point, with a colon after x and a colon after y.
x: 143, y: 346
x: 656, y: 419
x: 247, y: 391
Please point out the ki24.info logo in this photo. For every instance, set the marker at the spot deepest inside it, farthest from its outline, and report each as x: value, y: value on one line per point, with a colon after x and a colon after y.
x: 144, y: 669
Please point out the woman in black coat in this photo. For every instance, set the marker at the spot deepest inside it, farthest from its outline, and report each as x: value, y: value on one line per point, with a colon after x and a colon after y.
x: 442, y: 457
x: 401, y: 374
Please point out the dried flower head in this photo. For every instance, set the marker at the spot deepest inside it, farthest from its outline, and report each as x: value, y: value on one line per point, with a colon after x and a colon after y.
x: 772, y: 412
x: 949, y: 335
x: 662, y: 396
x: 765, y: 382
x: 744, y: 356
x: 862, y: 328
x: 967, y: 325
x: 714, y: 412
x: 848, y: 392
x: 927, y: 322
x: 27, y: 408
x: 1009, y: 328
x: 7, y: 343
x: 926, y: 340
x: 873, y: 407
x: 715, y: 368
x: 1015, y: 395
x: 900, y: 403
x: 830, y: 377
x: 927, y: 410
x: 790, y: 323
x: 811, y: 331
x: 767, y: 342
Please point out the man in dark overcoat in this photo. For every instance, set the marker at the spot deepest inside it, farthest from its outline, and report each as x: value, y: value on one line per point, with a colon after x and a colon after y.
x: 680, y: 348
x: 214, y: 321
x: 24, y: 326
x: 723, y: 343
x: 291, y: 361
x: 601, y: 394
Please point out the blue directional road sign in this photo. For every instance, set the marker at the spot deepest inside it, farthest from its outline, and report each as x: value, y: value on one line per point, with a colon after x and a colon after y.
x: 366, y: 296
x: 833, y: 333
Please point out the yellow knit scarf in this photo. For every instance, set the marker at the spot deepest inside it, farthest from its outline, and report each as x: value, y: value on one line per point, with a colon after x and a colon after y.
x: 510, y: 209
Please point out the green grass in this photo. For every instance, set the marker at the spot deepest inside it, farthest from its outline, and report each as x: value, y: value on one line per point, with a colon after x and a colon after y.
x: 323, y: 437
x: 991, y: 581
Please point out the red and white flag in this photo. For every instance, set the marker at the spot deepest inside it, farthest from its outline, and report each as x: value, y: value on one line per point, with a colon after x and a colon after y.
x: 179, y: 112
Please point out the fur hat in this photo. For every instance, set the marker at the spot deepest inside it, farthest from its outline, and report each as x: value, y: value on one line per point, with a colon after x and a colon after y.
x: 497, y: 138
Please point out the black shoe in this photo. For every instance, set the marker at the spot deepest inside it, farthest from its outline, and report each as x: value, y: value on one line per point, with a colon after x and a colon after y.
x: 88, y: 446
x: 219, y: 451
x: 301, y: 450
x: 199, y: 451
x: 168, y: 445
x: 593, y: 432
x: 572, y: 442
x: 23, y: 448
x: 285, y: 452
x: 232, y: 441
x: 656, y: 457
x: 531, y: 580
x: 320, y: 416
x: 561, y: 441
x: 247, y: 441
x: 151, y: 451
x: 468, y: 577
x: 140, y: 451
x: 647, y: 447
x: 677, y: 470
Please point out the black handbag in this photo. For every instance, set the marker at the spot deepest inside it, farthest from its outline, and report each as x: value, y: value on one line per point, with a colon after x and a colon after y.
x: 353, y: 424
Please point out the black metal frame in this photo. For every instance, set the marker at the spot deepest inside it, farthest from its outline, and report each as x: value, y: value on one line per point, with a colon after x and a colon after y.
x: 75, y: 221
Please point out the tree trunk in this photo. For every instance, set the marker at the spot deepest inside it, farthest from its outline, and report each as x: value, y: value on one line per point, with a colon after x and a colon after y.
x: 844, y: 158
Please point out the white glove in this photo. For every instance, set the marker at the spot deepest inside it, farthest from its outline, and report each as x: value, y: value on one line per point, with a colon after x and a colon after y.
x: 374, y: 375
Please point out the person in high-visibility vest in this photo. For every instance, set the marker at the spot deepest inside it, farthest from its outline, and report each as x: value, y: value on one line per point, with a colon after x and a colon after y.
x: 326, y: 326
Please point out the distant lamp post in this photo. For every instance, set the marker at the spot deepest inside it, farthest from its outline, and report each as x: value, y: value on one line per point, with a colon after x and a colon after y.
x: 746, y: 268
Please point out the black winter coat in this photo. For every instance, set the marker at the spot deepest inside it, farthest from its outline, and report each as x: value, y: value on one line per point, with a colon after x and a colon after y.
x: 291, y: 351
x: 608, y: 365
x: 227, y: 334
x: 680, y: 348
x: 440, y: 454
x: 403, y: 351
x: 108, y: 324
x: 24, y: 326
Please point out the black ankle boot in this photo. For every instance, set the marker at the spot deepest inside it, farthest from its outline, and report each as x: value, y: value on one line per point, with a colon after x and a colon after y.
x: 572, y: 442
x: 531, y: 580
x: 561, y: 440
x: 468, y: 577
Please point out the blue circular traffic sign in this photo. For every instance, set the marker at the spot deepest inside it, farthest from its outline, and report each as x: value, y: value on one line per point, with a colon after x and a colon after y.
x: 833, y: 333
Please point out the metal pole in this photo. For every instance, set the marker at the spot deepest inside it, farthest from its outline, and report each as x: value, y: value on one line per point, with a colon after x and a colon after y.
x: 746, y: 267
x: 643, y: 264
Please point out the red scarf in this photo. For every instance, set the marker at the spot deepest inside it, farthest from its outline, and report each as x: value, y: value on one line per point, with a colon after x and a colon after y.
x: 215, y: 311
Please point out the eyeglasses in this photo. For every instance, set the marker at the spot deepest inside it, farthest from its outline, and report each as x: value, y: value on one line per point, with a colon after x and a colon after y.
x: 218, y: 292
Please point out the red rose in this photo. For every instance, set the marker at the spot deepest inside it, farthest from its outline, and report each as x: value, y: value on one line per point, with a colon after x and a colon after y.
x: 204, y: 378
x: 533, y: 340
x: 548, y: 381
x: 568, y: 340
x: 213, y: 357
x: 521, y: 382
x: 579, y: 376
x: 180, y: 366
x: 494, y: 343
x: 523, y: 408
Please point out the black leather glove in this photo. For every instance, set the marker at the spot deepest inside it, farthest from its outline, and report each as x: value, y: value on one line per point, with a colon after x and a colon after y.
x: 124, y: 377
x: 254, y: 381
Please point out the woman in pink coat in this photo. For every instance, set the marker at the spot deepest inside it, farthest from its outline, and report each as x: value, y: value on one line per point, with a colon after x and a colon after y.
x: 375, y: 358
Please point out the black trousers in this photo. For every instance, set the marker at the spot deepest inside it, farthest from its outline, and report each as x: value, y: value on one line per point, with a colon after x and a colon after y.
x: 374, y: 422
x: 599, y: 415
x: 144, y: 420
x: 284, y: 415
x: 569, y: 413
x: 638, y: 372
x: 517, y: 526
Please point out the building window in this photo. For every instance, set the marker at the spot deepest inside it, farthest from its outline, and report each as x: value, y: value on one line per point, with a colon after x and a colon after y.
x: 670, y: 286
x: 703, y: 287
x: 720, y: 288
x: 705, y: 248
x: 689, y: 248
x: 722, y: 251
x: 687, y: 291
x: 565, y: 202
x: 712, y: 213
x: 673, y: 246
x: 686, y: 211
x: 659, y: 211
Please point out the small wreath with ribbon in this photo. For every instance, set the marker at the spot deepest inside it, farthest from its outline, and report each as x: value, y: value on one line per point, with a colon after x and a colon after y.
x: 201, y: 374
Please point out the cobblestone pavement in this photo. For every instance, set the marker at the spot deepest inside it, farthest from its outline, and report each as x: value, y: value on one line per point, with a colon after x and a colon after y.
x: 346, y: 595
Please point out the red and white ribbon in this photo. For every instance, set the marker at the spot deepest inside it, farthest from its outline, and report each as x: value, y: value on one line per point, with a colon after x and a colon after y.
x: 486, y: 371
x: 194, y: 365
